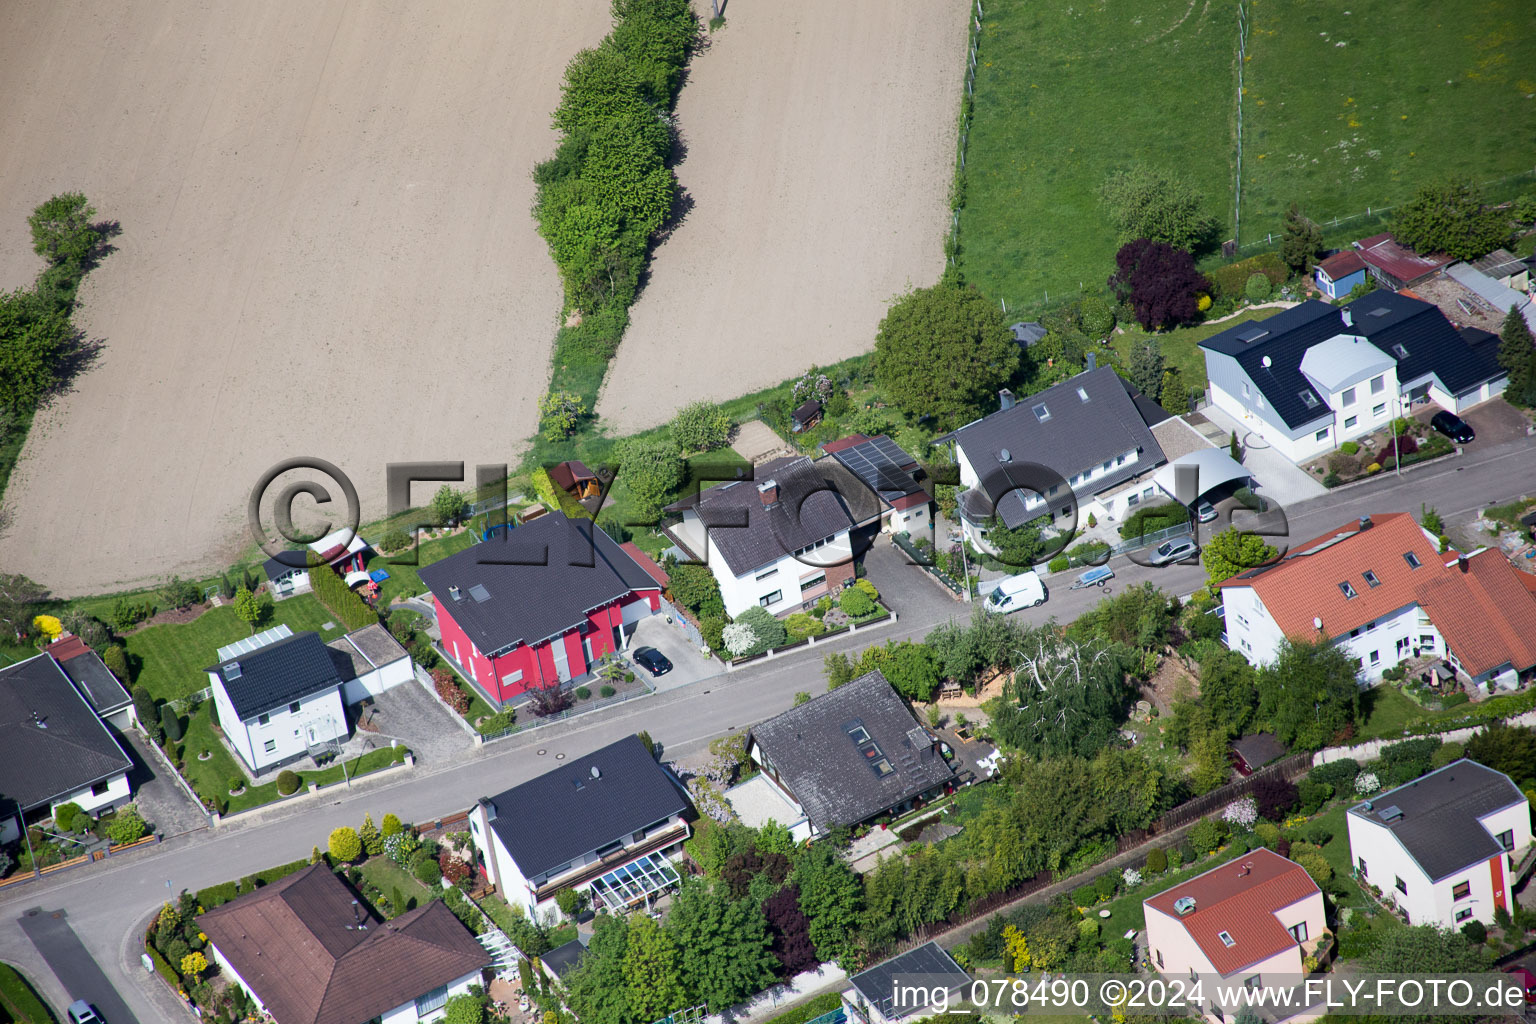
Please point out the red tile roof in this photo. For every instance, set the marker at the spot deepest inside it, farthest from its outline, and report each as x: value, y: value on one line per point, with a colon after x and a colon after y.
x: 1340, y: 265
x: 567, y: 475
x: 1242, y: 903
x: 66, y: 647
x: 1386, y: 254
x: 1486, y: 614
x: 646, y: 562
x: 843, y: 442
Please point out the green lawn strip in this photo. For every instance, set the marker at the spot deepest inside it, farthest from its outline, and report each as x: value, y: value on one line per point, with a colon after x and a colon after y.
x: 1066, y: 95
x: 388, y: 876
x: 1387, y: 711
x: 809, y: 1010
x: 1181, y: 347
x: 20, y: 1001
x: 256, y: 796
x: 1340, y: 123
x: 1125, y: 912
x: 502, y: 915
x: 403, y: 566
x: 210, y: 778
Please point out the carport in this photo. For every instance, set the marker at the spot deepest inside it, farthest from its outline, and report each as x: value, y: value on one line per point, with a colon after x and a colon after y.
x: 1190, y: 477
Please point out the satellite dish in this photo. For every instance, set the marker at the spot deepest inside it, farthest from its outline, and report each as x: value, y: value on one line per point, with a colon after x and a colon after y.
x: 1005, y: 456
x: 595, y: 772
x: 1317, y: 623
x: 1267, y: 362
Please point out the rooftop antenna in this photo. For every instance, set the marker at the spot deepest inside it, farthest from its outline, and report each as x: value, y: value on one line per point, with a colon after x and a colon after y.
x: 38, y: 721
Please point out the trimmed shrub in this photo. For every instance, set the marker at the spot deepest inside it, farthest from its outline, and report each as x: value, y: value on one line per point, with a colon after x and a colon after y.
x: 1205, y: 836
x: 1061, y: 563
x: 67, y: 817
x: 868, y: 588
x: 1350, y: 448
x: 287, y: 782
x: 427, y: 872
x: 170, y: 723
x: 1231, y: 281
x: 116, y: 660
x: 127, y: 827
x: 856, y: 603
x: 1476, y: 932
x: 802, y: 624
x: 1267, y: 833
x: 390, y: 824
x: 607, y: 691
x: 1256, y: 288
x: 583, y: 693
x: 344, y: 844
x: 1157, y: 861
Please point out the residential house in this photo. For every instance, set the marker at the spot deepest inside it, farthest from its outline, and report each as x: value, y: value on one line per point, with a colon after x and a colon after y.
x: 1315, y: 375
x: 1505, y: 268
x: 539, y: 605
x: 607, y: 824
x: 308, y: 952
x: 845, y: 758
x: 54, y: 747
x: 1395, y: 265
x: 921, y: 982
x: 1443, y: 847
x: 576, y: 479
x: 892, y: 475
x: 96, y: 683
x: 1381, y: 589
x: 278, y: 697
x: 1338, y: 275
x: 1071, y: 450
x: 781, y: 540
x: 1245, y: 921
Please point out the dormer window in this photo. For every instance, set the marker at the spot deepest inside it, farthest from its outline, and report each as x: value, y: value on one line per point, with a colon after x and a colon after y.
x: 1400, y: 352
x: 1371, y: 578
x: 1348, y: 589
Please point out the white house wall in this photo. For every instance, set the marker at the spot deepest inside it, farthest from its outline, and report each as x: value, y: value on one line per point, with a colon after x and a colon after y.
x: 375, y: 682
x: 287, y: 731
x: 229, y: 969
x: 116, y: 793
x: 1253, y: 632
x: 405, y: 1013
x: 785, y: 575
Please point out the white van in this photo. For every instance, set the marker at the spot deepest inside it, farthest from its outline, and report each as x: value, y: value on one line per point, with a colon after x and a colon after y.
x: 1022, y: 591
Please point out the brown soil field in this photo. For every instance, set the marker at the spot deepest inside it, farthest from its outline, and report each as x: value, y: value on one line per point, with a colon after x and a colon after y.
x: 326, y: 250
x: 820, y: 148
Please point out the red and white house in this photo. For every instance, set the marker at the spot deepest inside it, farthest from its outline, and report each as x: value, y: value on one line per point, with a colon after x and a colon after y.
x: 540, y: 604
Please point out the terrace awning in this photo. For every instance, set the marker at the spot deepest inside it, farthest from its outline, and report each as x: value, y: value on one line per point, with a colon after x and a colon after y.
x: 634, y: 882
x: 1213, y: 467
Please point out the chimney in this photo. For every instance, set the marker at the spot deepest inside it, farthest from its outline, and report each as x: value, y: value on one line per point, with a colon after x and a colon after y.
x: 455, y: 593
x: 1365, y: 523
x: 1091, y: 360
x: 1461, y: 562
x: 1005, y: 400
x: 1349, y: 318
x: 768, y: 493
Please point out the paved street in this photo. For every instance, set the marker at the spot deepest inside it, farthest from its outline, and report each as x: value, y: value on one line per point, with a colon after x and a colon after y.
x: 108, y: 904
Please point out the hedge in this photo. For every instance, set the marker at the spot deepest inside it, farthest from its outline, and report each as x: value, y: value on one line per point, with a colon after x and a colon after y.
x: 218, y: 895
x: 340, y: 600
x: 556, y: 497
x: 809, y: 1010
x: 162, y: 967
x: 1231, y: 281
x: 17, y: 994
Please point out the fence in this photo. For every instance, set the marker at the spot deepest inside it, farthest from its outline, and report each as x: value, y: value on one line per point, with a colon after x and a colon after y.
x: 1200, y: 806
x: 1237, y: 180
x: 183, y: 703
x: 683, y: 622
x: 1147, y: 540
x: 965, y: 121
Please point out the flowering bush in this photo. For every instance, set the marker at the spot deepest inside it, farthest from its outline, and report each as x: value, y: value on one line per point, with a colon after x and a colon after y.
x: 1131, y: 877
x: 739, y: 638
x: 1242, y: 813
x: 400, y: 846
x: 48, y: 626
x: 1367, y: 782
x: 813, y: 385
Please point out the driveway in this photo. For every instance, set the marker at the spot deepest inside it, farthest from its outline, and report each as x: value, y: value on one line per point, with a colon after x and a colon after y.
x: 1495, y: 423
x: 80, y: 975
x: 162, y: 800
x: 908, y: 589
x: 409, y: 713
x: 688, y: 665
x: 1278, y: 478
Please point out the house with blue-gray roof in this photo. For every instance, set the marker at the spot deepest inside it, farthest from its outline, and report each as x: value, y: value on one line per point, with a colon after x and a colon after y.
x: 1315, y: 375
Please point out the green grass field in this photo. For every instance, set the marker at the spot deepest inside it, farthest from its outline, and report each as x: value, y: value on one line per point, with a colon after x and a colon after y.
x: 169, y: 660
x: 1181, y: 348
x: 1065, y: 94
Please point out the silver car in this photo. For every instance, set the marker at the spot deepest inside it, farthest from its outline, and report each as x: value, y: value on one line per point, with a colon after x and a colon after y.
x: 81, y: 1012
x: 1175, y: 550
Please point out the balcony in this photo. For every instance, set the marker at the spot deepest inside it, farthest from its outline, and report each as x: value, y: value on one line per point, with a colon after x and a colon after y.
x: 587, y: 872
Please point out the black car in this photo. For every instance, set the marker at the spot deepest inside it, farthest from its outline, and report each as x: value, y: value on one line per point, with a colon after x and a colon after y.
x: 1453, y: 427
x: 652, y: 660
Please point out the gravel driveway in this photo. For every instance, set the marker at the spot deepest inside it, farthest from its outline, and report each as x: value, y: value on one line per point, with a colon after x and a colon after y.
x: 409, y: 713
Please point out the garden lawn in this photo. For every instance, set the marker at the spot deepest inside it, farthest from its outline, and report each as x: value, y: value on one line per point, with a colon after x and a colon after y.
x: 209, y: 778
x: 1067, y: 94
x: 1181, y: 348
x: 388, y: 876
x: 255, y: 796
x: 403, y: 566
x: 170, y: 660
x: 1125, y: 911
x: 1357, y: 105
x: 19, y: 1002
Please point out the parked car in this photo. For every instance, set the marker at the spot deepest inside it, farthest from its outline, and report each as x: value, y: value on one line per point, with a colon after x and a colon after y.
x: 1022, y: 591
x: 652, y: 660
x: 1175, y: 550
x: 1205, y: 512
x: 1453, y: 427
x: 81, y: 1012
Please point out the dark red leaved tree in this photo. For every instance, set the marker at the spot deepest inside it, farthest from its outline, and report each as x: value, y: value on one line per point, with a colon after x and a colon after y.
x: 1160, y: 282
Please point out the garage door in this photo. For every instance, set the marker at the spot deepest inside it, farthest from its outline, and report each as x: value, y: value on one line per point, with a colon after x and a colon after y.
x: 635, y: 611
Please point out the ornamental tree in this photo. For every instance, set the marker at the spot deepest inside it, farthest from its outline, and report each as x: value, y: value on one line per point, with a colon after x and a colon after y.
x: 344, y: 844
x: 651, y: 470
x: 701, y: 426
x: 1160, y: 282
x: 1300, y: 241
x: 1147, y: 203
x: 1517, y: 355
x: 944, y: 352
x: 1233, y: 551
x: 193, y: 965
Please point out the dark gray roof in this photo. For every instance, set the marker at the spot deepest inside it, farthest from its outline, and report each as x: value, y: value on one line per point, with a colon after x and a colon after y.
x: 831, y: 773
x: 882, y: 465
x: 280, y: 673
x: 561, y: 959
x: 1027, y: 332
x: 565, y: 813
x: 286, y: 564
x: 539, y: 580
x: 1258, y: 749
x: 816, y: 501
x: 74, y: 751
x: 92, y: 677
x: 807, y: 410
x: 1076, y: 435
x: 1438, y: 824
x: 927, y: 966
x: 1394, y: 323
